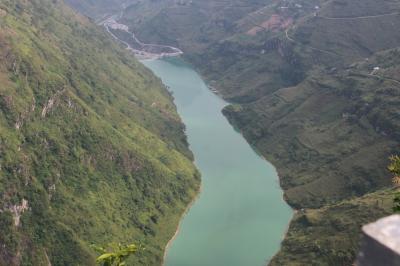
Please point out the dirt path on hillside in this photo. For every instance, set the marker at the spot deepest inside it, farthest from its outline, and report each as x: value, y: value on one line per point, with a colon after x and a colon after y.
x: 333, y: 18
x: 361, y: 17
x: 308, y: 46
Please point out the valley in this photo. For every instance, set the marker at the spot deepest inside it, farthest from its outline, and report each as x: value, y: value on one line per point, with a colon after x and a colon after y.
x: 223, y: 177
x: 313, y: 86
x: 240, y: 207
x: 97, y: 147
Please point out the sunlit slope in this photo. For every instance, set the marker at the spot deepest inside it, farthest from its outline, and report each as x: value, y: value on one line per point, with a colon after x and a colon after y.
x: 91, y: 147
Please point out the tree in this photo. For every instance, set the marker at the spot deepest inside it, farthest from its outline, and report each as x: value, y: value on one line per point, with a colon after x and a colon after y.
x: 394, y: 167
x: 115, y: 254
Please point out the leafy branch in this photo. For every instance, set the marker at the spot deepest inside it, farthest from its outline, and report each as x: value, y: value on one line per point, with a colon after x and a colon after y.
x: 394, y: 167
x: 115, y: 254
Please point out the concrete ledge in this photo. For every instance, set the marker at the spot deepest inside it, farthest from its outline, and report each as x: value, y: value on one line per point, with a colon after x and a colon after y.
x: 381, y: 243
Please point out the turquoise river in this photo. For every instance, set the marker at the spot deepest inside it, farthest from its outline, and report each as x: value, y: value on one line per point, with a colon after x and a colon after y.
x: 240, y: 217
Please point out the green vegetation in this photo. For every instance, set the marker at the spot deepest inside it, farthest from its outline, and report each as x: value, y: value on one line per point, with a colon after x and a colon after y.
x: 115, y: 255
x: 331, y: 235
x: 97, y: 9
x: 394, y: 167
x: 330, y: 135
x: 91, y: 147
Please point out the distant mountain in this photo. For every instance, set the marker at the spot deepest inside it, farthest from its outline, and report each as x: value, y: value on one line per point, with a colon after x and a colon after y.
x: 315, y: 87
x: 92, y: 149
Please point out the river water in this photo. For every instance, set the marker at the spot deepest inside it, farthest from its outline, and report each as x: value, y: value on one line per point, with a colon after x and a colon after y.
x: 240, y: 217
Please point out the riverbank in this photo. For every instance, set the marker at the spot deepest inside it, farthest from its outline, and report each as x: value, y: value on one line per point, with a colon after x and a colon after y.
x: 112, y: 26
x: 167, y: 247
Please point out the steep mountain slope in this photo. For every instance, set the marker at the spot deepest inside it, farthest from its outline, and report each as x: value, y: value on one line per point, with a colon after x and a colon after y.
x: 191, y: 25
x: 330, y: 235
x: 292, y: 42
x: 97, y: 9
x: 91, y: 147
x: 330, y: 138
x: 316, y: 90
x: 336, y: 129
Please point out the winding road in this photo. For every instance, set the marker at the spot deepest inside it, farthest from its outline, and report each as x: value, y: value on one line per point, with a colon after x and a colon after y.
x: 309, y: 46
x: 143, y: 53
x: 361, y: 17
x: 333, y: 18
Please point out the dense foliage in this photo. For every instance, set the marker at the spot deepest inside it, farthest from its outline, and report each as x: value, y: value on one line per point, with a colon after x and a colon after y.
x: 115, y: 254
x: 394, y: 167
x: 91, y: 147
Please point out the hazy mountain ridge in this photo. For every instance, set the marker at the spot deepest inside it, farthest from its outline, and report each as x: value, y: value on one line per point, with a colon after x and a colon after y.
x: 91, y: 147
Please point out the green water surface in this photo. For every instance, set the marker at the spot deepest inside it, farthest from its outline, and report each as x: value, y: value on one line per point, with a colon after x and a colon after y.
x: 240, y: 217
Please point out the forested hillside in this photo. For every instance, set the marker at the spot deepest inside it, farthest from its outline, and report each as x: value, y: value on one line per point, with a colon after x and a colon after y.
x: 97, y: 9
x: 91, y: 147
x: 315, y: 87
x: 330, y: 137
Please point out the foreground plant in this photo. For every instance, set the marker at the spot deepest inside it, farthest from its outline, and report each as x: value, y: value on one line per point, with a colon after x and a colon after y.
x: 394, y: 167
x: 115, y: 254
